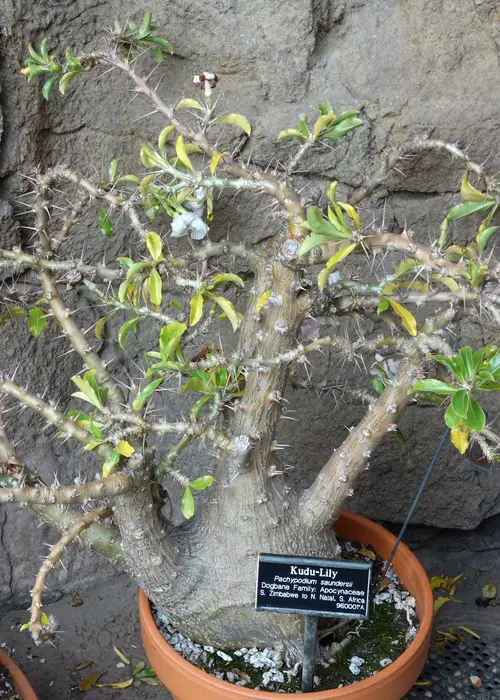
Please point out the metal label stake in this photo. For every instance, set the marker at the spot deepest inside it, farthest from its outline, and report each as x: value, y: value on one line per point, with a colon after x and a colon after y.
x: 310, y: 635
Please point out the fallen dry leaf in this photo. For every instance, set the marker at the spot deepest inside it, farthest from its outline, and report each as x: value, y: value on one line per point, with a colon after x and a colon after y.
x: 469, y: 631
x: 368, y: 553
x: 89, y: 682
x: 490, y: 590
x: 82, y: 665
x: 121, y: 656
x: 75, y: 599
x: 476, y: 681
x: 439, y: 602
x: 116, y: 686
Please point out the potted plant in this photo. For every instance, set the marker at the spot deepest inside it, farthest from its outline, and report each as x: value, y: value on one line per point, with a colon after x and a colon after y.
x: 226, y: 320
x: 13, y: 675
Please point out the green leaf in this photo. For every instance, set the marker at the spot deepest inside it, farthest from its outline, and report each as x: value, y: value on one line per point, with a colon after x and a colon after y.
x: 196, y: 306
x: 451, y: 419
x: 378, y: 385
x: 195, y: 384
x: 48, y: 85
x: 434, y: 385
x: 169, y: 339
x: 147, y: 673
x: 408, y: 319
x: 202, y: 482
x: 468, y: 362
x: 26, y: 626
x: 187, y: 504
x: 484, y: 236
x: 320, y: 225
x: 475, y: 418
x: 344, y: 115
x: 145, y: 394
x: 105, y: 224
x: 182, y: 155
x: 130, y: 325
x: 189, y: 103
x: 134, y: 269
x: 226, y: 277
x: 343, y: 128
x: 87, y: 391
x: 145, y: 27
x: 37, y: 320
x: 313, y: 241
x: 113, y: 169
x: 111, y: 463
x: 238, y: 120
x: 66, y: 80
x: 155, y: 288
x: 228, y: 308
x: 460, y: 402
x: 468, y: 208
x: 164, y: 45
x: 383, y: 305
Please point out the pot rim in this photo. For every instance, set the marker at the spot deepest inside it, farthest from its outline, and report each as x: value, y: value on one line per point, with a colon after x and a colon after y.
x: 21, y: 683
x: 380, y: 678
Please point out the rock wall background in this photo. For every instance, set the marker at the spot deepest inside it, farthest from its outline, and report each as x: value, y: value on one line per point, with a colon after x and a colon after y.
x: 419, y: 66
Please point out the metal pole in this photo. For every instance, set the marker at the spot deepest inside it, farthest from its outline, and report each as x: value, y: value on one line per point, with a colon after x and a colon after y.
x: 310, y: 635
x: 416, y: 500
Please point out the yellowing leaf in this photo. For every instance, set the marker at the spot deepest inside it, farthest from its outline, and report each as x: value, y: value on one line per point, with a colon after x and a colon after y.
x: 437, y: 582
x: 323, y: 276
x: 238, y: 120
x: 470, y: 193
x: 460, y: 438
x: 490, y: 590
x: 125, y: 448
x: 189, y: 103
x: 291, y: 132
x: 367, y: 553
x: 469, y: 631
x: 439, y: 602
x: 154, y: 244
x: 340, y: 255
x: 116, y: 686
x: 449, y: 282
x: 408, y: 319
x: 228, y: 309
x: 214, y: 162
x: 351, y: 211
x: 321, y: 124
x: 262, y: 301
x: 121, y: 656
x: 182, y: 155
x: 196, y: 306
x: 163, y: 137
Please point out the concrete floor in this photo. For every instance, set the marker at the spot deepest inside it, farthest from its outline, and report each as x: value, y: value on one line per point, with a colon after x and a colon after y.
x: 108, y: 616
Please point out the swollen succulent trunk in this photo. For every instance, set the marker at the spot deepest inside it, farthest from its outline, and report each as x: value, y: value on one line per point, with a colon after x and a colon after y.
x: 203, y: 574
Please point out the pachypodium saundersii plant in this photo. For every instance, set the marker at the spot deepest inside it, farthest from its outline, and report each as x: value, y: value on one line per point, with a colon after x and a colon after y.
x: 184, y: 288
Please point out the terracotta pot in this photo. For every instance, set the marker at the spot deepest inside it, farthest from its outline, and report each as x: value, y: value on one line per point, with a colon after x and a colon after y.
x: 21, y: 683
x: 186, y: 681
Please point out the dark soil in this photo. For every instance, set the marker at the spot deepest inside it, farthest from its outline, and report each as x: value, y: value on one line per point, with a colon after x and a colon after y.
x: 7, y: 691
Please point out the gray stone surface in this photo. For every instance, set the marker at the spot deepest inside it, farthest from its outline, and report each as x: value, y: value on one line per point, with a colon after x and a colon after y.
x: 412, y: 67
